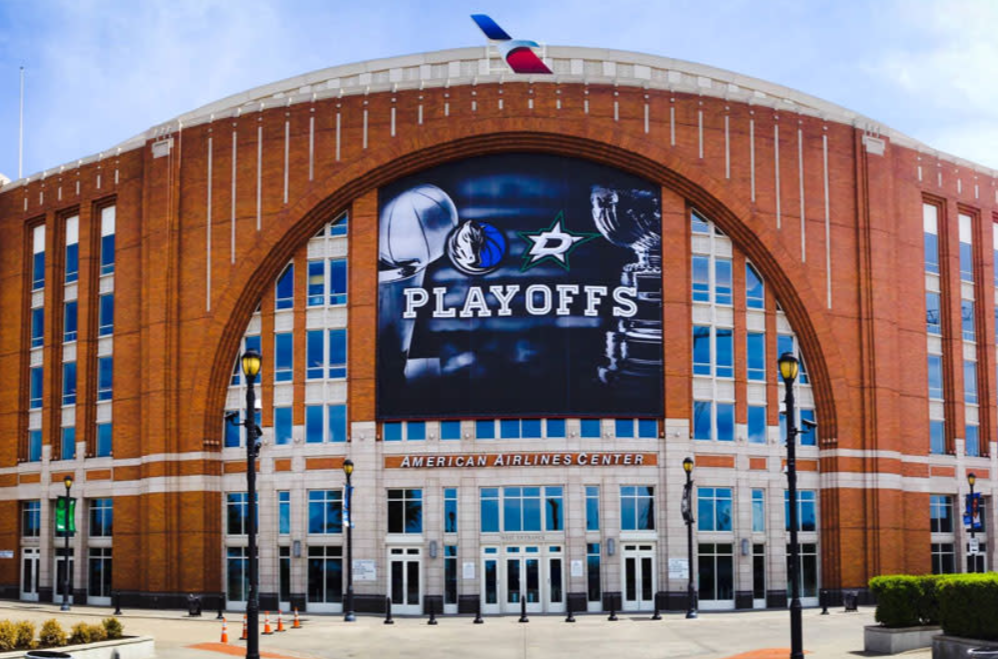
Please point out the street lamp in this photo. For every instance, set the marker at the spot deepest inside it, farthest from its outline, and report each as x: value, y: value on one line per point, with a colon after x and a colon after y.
x: 348, y: 615
x: 788, y: 371
x: 66, y: 526
x: 971, y: 479
x: 691, y: 591
x: 251, y: 368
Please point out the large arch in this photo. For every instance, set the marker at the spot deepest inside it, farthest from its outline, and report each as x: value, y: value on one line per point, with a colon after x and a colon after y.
x: 326, y: 198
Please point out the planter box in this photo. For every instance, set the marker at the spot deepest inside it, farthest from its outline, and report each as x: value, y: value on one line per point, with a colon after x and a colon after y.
x: 892, y: 640
x: 131, y: 647
x: 956, y: 647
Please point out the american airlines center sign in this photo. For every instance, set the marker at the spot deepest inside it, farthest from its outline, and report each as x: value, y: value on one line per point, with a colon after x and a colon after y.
x: 520, y: 284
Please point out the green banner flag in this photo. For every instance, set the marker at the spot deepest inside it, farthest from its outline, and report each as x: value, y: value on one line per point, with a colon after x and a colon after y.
x: 61, y: 517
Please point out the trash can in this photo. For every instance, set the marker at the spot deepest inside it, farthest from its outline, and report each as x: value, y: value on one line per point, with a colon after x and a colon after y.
x: 47, y: 654
x: 194, y: 605
x: 987, y: 652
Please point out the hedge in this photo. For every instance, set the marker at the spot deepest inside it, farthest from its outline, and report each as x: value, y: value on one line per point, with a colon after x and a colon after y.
x: 963, y: 604
x: 21, y: 635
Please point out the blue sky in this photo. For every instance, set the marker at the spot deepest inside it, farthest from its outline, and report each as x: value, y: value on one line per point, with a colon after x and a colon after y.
x: 101, y: 71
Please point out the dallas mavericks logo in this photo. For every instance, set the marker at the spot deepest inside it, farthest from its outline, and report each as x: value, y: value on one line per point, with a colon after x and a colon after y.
x: 476, y: 248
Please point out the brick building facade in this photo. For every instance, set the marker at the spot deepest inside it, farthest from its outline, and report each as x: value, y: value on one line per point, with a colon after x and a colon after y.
x: 131, y: 280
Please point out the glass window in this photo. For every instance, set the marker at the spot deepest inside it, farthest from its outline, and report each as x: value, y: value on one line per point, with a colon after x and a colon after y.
x: 253, y: 343
x: 648, y: 428
x: 337, y: 353
x: 392, y: 431
x: 555, y: 428
x: 807, y: 437
x: 107, y: 240
x: 554, y: 509
x: 722, y: 281
x: 935, y: 377
x: 405, y: 511
x: 68, y: 443
x: 338, y: 281
x: 325, y: 511
x: 755, y: 292
x: 31, y: 519
x: 589, y: 428
x: 725, y: 353
x: 339, y: 227
x: 485, y: 429
x: 283, y: 356
x: 755, y: 356
x: 756, y: 424
x: 714, y: 508
x: 966, y: 249
x: 69, y: 383
x: 530, y: 428
x: 72, y: 262
x: 101, y: 518
x: 316, y: 283
x: 970, y: 382
x: 237, y: 513
x: 592, y: 508
x: 69, y: 322
x: 967, y: 320
x: 698, y: 224
x: 37, y: 327
x: 807, y: 511
x: 105, y: 442
x: 38, y: 271
x: 284, y: 513
x: 450, y: 574
x: 933, y: 324
x: 450, y: 430
x: 701, y: 278
x: 282, y: 425
x: 637, y: 508
x: 315, y: 361
x: 943, y: 558
x: 34, y: 445
x: 521, y: 509
x: 337, y: 423
x: 314, y: 426
x: 284, y: 291
x: 509, y: 428
x: 702, y: 413
x: 940, y: 513
x: 105, y: 377
x: 624, y: 428
x: 937, y: 437
x: 490, y: 509
x: 325, y: 574
x: 726, y: 422
x: 593, y: 590
x: 758, y: 511
x: 931, y: 240
x: 450, y: 510
x: 106, y: 316
x: 973, y: 444
x: 415, y: 431
x: 231, y: 432
x: 35, y: 401
x: 701, y: 350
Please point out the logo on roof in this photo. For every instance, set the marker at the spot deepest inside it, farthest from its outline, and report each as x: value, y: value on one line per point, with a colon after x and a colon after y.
x: 518, y: 53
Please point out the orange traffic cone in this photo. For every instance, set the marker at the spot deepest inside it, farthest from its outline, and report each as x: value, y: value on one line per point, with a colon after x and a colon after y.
x: 267, y: 631
x: 245, y: 631
x: 225, y: 632
x: 280, y: 622
x: 296, y: 624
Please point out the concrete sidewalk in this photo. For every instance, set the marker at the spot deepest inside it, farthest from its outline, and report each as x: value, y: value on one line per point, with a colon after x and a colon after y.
x: 712, y: 636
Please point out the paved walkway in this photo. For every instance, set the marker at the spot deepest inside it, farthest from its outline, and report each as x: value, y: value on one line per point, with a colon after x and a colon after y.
x: 751, y: 634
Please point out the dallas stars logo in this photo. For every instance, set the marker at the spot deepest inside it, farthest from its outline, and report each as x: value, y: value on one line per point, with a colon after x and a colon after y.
x: 554, y: 243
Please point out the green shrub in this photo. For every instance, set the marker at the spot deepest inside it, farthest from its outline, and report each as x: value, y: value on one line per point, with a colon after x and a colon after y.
x: 898, y: 597
x: 25, y: 635
x: 929, y: 606
x: 968, y: 605
x: 8, y: 636
x: 113, y: 627
x: 52, y: 634
x: 80, y: 634
x: 97, y: 633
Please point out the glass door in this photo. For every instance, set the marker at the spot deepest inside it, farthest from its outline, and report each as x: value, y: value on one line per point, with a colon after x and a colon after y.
x: 759, y: 576
x: 555, y: 599
x: 490, y: 581
x: 639, y: 577
x: 405, y: 566
x: 30, y: 560
x: 715, y: 570
x: 522, y: 579
x: 60, y: 574
x: 99, y: 576
x: 236, y: 578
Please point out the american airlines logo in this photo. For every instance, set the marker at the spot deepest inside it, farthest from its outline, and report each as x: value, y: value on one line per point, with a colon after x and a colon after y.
x: 516, y: 52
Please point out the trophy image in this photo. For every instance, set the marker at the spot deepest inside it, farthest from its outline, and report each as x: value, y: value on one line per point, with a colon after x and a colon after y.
x: 632, y: 218
x: 413, y: 231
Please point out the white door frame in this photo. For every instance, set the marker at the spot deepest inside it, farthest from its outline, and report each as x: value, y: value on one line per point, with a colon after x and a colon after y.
x: 405, y: 555
x: 491, y: 553
x: 638, y: 552
x: 30, y: 555
x: 56, y: 582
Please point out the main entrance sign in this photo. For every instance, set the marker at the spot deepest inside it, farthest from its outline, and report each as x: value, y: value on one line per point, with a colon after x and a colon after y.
x: 520, y: 284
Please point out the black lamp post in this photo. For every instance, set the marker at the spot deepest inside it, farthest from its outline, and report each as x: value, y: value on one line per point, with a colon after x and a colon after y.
x: 348, y: 615
x: 788, y: 371
x: 251, y: 368
x: 971, y: 479
x: 67, y: 525
x: 691, y: 591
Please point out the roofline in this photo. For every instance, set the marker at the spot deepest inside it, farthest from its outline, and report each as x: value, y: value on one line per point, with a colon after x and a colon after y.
x: 483, y: 65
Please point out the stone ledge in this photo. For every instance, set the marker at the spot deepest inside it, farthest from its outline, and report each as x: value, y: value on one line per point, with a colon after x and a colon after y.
x: 956, y: 647
x: 892, y: 640
x: 130, y: 647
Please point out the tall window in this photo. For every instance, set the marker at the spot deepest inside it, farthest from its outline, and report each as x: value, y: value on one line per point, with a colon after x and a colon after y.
x: 637, y: 508
x: 35, y: 395
x: 105, y: 439
x: 937, y: 437
x: 722, y: 281
x: 314, y: 424
x: 967, y: 320
x: 930, y: 224
x: 593, y: 590
x: 38, y: 327
x: 943, y: 558
x: 755, y: 291
x: 940, y: 513
x: 758, y: 511
x: 701, y: 350
x: 107, y: 220
x: 701, y: 278
x: 69, y: 383
x: 450, y: 574
x: 450, y: 510
x: 237, y: 513
x: 807, y: 510
x: 755, y: 354
x: 933, y: 322
x: 34, y: 445
x: 282, y: 425
x: 284, y: 290
x: 69, y: 321
x: 101, y: 518
x: 973, y: 444
x: 105, y: 377
x: 284, y: 512
x: 966, y: 249
x: 315, y: 359
x: 316, y: 283
x: 283, y: 356
x: 337, y: 423
x: 970, y: 382
x: 38, y: 258
x: 489, y: 509
x: 935, y: 377
x: 31, y: 519
x: 714, y: 508
x: 337, y: 281
x: 325, y: 511
x: 68, y: 443
x: 106, y: 315
x: 592, y: 508
x: 337, y: 354
x: 405, y: 511
x: 72, y: 249
x: 756, y: 424
x: 713, y: 421
x: 723, y: 340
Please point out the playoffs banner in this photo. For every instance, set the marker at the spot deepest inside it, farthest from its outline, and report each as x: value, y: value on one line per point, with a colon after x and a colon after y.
x: 519, y: 285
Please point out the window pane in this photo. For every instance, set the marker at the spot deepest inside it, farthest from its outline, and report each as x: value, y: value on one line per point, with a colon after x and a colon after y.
x: 69, y: 326
x: 282, y: 425
x: 509, y: 428
x: 555, y: 428
x: 967, y: 320
x: 104, y: 441
x: 726, y: 422
x: 624, y: 428
x: 702, y: 420
x: 338, y: 281
x: 392, y: 431
x: 590, y: 428
x: 807, y: 437
x: 698, y: 224
x: 315, y: 362
x: 105, y: 373
x: 935, y: 377
x: 106, y: 322
x: 755, y: 344
x: 337, y: 353
x: 485, y: 429
x: 72, y: 262
x: 932, y: 317
x: 931, y: 253
x: 316, y: 283
x: 970, y: 382
x: 284, y: 294
x: 701, y: 350
x: 756, y: 425
x: 37, y: 327
x: 69, y: 383
x: 313, y: 424
x: 701, y: 278
x: 647, y: 428
x: 450, y: 430
x: 754, y: 290
x: 722, y: 281
x: 283, y: 356
x: 937, y: 437
x: 337, y: 423
x: 36, y: 388
x: 415, y: 430
x: 725, y: 355
x: 973, y: 441
x: 107, y: 254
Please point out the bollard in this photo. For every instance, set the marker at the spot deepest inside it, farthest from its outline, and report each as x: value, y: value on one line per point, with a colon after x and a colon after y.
x: 523, y: 609
x: 823, y: 595
x: 658, y: 614
x: 388, y: 611
x: 478, y: 612
x: 433, y: 614
x: 613, y: 609
x: 569, y: 617
x: 220, y: 615
x: 117, y: 602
